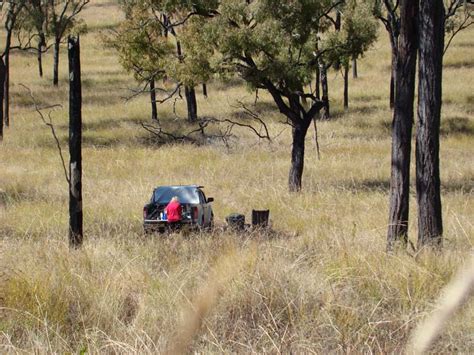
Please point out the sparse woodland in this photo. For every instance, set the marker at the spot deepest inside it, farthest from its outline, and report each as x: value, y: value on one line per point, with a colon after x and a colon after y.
x: 257, y: 101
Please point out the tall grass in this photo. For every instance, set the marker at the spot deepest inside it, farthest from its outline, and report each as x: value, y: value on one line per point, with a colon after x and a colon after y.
x: 320, y: 283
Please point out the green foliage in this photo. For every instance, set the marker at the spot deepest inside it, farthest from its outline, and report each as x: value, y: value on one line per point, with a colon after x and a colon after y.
x: 53, y: 18
x: 62, y: 17
x: 139, y: 41
x: 280, y: 40
x: 358, y: 32
x: 147, y: 45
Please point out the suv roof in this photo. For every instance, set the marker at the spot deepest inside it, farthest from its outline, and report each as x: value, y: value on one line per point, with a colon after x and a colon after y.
x: 185, y: 193
x: 192, y: 185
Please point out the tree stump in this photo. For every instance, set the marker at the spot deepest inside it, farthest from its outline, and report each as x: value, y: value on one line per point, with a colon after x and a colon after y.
x: 260, y: 218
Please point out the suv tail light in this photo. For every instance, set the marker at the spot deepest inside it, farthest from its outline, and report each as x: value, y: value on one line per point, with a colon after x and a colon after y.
x: 195, y: 213
x: 145, y: 212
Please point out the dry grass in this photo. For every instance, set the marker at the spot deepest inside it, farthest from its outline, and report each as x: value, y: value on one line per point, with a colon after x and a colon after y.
x: 322, y: 284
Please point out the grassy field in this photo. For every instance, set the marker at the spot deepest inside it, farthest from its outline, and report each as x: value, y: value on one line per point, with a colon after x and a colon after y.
x: 321, y: 282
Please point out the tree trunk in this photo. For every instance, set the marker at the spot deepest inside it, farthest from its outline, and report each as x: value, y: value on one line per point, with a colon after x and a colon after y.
x: 56, y: 62
x: 354, y: 68
x: 317, y: 91
x: 393, y: 68
x: 337, y: 28
x: 402, y: 125
x: 6, y: 83
x: 204, y: 90
x: 325, y: 93
x: 431, y: 20
x: 41, y: 44
x: 191, y: 102
x: 297, y: 155
x: 75, y: 149
x: 154, y: 110
x: 346, y: 86
x: 2, y: 88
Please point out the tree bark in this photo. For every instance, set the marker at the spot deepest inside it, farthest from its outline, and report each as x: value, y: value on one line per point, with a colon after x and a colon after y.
x: 2, y: 88
x: 346, y: 86
x: 430, y: 224
x: 325, y: 115
x: 317, y: 90
x: 337, y: 28
x: 56, y: 62
x: 297, y: 155
x: 393, y: 69
x: 191, y: 102
x: 75, y: 149
x: 154, y: 110
x: 41, y: 44
x: 402, y: 125
x: 6, y: 83
x: 354, y: 68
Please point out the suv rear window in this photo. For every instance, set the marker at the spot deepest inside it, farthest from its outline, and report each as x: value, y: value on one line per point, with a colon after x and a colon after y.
x: 186, y: 194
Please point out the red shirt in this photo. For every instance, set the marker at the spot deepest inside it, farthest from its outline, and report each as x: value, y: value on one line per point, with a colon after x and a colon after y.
x: 173, y: 210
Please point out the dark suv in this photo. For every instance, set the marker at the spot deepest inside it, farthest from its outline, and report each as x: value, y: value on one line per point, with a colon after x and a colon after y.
x: 197, y: 209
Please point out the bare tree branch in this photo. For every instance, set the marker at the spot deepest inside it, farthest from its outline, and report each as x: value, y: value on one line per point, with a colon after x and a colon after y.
x: 50, y: 124
x: 467, y: 21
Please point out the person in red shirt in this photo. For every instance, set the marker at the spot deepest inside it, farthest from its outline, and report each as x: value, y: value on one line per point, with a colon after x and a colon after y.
x: 173, y: 211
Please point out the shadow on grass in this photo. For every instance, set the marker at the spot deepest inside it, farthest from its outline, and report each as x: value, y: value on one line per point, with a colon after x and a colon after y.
x: 457, y: 126
x: 463, y: 44
x: 225, y: 84
x: 358, y: 110
x: 460, y: 65
x: 365, y: 98
x: 470, y: 99
x: 262, y: 108
x: 15, y: 194
x: 463, y: 186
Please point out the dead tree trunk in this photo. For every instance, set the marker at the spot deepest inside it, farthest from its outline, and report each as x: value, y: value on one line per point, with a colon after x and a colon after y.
x: 346, y: 86
x: 430, y: 224
x: 154, y: 110
x: 75, y: 149
x: 56, y: 62
x: 2, y: 88
x: 325, y: 92
x: 191, y: 102
x: 402, y: 125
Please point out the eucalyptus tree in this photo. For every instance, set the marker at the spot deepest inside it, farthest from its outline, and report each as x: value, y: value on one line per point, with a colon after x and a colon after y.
x: 142, y: 46
x: 424, y: 24
x: 12, y: 10
x: 36, y: 22
x: 63, y: 20
x: 150, y: 46
x: 387, y: 11
x: 174, y: 16
x: 458, y: 16
x: 356, y: 32
x: 428, y: 185
x: 402, y: 124
x: 273, y: 46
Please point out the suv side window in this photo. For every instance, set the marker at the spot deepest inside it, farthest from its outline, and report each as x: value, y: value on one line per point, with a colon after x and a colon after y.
x: 202, y: 197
